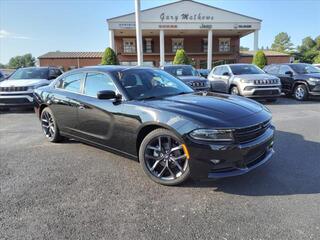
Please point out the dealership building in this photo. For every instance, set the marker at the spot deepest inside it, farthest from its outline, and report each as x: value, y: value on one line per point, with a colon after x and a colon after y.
x: 209, y: 35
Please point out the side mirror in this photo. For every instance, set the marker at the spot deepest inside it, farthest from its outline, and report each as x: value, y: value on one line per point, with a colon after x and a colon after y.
x: 226, y: 74
x: 289, y: 73
x: 107, y: 94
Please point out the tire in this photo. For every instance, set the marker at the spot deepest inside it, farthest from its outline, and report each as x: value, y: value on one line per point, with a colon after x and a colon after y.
x: 234, y: 90
x: 49, y: 126
x: 161, y: 162
x: 300, y: 92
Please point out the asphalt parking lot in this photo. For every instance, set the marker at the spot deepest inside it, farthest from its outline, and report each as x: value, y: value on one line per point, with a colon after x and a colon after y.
x: 74, y: 191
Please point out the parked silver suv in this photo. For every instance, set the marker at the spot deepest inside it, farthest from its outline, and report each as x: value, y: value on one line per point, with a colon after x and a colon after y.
x: 246, y: 80
x: 17, y: 89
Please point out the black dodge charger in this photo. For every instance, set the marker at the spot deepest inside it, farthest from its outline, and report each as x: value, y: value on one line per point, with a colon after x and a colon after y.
x: 152, y: 116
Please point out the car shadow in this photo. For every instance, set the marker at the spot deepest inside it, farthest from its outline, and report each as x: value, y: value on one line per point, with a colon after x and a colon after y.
x: 291, y: 101
x: 294, y: 169
x: 16, y: 110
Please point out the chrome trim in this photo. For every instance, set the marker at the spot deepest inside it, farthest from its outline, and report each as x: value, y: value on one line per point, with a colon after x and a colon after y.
x: 17, y: 96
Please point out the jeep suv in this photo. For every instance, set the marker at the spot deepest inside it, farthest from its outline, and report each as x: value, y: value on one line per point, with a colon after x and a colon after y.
x: 188, y: 75
x: 246, y: 80
x: 298, y: 79
x: 17, y: 89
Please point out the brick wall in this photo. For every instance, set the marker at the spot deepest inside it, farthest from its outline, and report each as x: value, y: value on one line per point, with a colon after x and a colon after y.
x: 270, y: 59
x: 67, y: 63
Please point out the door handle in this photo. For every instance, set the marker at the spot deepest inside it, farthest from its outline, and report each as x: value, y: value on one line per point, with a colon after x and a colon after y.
x: 81, y: 107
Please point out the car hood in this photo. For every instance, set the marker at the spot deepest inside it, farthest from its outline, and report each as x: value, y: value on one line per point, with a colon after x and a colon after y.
x: 24, y: 82
x: 220, y: 110
x: 309, y: 75
x: 256, y: 76
x: 191, y: 78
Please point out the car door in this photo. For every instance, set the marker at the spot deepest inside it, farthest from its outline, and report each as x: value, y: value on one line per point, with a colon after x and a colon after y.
x: 98, y: 118
x: 64, y: 101
x: 216, y: 81
x: 286, y: 78
x: 225, y: 77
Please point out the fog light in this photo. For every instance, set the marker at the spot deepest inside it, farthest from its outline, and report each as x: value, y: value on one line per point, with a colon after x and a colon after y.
x: 215, y: 161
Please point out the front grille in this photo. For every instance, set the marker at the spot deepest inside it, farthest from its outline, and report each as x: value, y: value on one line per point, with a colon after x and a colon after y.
x: 198, y: 84
x: 266, y: 81
x: 13, y: 89
x: 247, y: 134
x: 266, y: 92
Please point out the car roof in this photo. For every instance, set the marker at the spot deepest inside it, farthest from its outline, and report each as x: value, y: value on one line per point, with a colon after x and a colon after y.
x: 177, y: 65
x: 109, y: 68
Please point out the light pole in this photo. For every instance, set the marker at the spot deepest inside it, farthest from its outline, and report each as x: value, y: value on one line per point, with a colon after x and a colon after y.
x: 138, y: 33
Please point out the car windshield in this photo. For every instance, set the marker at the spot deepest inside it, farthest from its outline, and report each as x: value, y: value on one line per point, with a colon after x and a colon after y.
x: 182, y: 71
x: 245, y: 69
x: 304, y: 68
x: 30, y: 73
x: 151, y: 83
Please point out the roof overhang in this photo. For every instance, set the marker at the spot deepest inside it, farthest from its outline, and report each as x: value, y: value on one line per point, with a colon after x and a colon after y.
x: 187, y: 15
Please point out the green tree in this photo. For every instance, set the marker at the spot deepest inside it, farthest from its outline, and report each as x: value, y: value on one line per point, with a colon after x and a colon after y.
x: 181, y: 57
x: 308, y: 50
x: 317, y: 59
x: 282, y: 43
x: 109, y: 57
x: 260, y: 59
x: 244, y: 48
x: 26, y: 60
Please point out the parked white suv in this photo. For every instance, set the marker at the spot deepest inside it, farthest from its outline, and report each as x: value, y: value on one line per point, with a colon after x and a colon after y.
x: 17, y: 89
x: 246, y: 80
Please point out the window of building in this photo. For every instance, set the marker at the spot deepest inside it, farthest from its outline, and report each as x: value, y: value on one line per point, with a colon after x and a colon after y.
x: 71, y: 83
x: 129, y: 45
x: 205, y: 45
x: 148, y: 45
x: 224, y: 44
x: 96, y: 82
x: 177, y: 43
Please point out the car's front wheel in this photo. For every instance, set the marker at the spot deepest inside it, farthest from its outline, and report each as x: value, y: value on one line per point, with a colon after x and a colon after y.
x: 234, y: 90
x: 301, y: 92
x: 164, y: 157
x: 49, y: 125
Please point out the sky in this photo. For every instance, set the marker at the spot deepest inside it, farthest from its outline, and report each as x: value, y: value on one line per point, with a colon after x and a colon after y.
x: 40, y: 26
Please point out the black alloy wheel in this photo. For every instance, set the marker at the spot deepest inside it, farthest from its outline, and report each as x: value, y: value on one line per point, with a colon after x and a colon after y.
x: 49, y: 125
x: 164, y: 157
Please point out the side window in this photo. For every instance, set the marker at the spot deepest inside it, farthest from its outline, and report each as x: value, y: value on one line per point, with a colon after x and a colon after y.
x: 284, y: 69
x: 71, y: 83
x: 224, y: 70
x: 273, y: 69
x: 96, y: 82
x: 58, y: 72
x: 217, y: 71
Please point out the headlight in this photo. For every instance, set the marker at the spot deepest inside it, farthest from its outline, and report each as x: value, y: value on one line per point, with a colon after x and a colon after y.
x: 212, y: 135
x: 245, y: 81
x: 314, y: 81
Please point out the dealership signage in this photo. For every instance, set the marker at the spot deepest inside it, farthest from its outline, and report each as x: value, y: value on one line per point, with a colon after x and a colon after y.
x: 185, y: 17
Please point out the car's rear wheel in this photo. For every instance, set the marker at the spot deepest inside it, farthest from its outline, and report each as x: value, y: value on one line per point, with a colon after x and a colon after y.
x: 164, y: 157
x: 301, y: 92
x: 234, y: 90
x: 49, y: 126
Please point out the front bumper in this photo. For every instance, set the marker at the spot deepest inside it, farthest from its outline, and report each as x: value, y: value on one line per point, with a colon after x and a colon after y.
x: 260, y: 91
x: 314, y: 90
x: 234, y: 159
x: 16, y: 99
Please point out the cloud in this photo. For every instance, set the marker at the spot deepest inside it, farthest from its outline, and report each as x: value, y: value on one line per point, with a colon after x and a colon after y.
x: 6, y: 34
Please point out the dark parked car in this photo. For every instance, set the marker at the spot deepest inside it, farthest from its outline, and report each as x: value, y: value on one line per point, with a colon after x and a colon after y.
x: 152, y: 116
x: 17, y: 89
x: 188, y: 75
x: 298, y: 79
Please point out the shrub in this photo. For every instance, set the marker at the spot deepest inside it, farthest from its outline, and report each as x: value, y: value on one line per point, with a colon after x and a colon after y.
x: 181, y: 57
x: 260, y: 59
x: 109, y: 57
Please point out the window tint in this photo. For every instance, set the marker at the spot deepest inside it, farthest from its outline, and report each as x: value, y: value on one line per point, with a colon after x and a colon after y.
x: 71, y: 83
x: 284, y: 69
x: 96, y: 82
x: 272, y: 69
x: 217, y: 71
x: 224, y: 70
